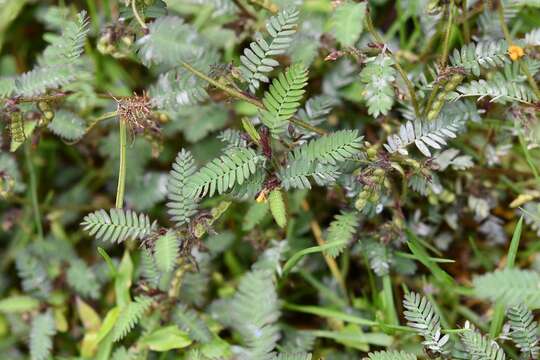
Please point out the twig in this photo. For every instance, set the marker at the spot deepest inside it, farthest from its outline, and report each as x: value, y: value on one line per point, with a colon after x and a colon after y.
x: 122, y: 166
x: 432, y: 95
x: 444, y: 57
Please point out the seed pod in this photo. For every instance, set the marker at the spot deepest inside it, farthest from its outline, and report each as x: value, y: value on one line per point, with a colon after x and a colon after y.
x: 371, y: 152
x: 43, y: 106
x: 16, y: 128
x: 163, y: 118
x: 378, y: 173
x: 46, y: 111
x: 364, y: 194
x: 360, y: 204
x: 127, y: 40
x: 455, y: 80
x: 432, y: 114
x: 277, y: 207
x: 375, y: 196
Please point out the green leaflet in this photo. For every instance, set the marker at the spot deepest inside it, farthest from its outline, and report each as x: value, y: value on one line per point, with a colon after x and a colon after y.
x: 221, y: 174
x: 422, y: 317
x: 57, y: 67
x: 338, y: 146
x: 378, y: 76
x: 166, y: 250
x: 277, y: 207
x: 41, y: 333
x: 257, y: 59
x: 254, y: 215
x: 129, y: 317
x: 481, y: 345
x: 341, y: 230
x: 117, y: 225
x: 524, y: 331
x: 181, y: 207
x: 283, y: 98
x: 348, y: 22
x: 509, y: 286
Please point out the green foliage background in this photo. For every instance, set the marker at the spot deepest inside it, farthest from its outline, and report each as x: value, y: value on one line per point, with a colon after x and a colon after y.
x: 258, y: 179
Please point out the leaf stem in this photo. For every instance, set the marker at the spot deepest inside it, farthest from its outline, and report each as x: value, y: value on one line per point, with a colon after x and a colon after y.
x: 446, y: 46
x: 408, y: 83
x: 232, y: 92
x: 136, y: 14
x: 33, y: 189
x: 431, y: 98
x: 122, y: 166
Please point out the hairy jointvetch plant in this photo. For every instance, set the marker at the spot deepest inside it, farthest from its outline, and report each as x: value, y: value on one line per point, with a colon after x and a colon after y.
x: 266, y: 179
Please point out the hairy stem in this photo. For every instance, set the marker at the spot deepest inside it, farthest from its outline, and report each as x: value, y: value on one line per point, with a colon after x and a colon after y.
x: 466, y: 29
x: 446, y: 46
x: 408, y: 83
x: 232, y: 92
x: 122, y: 167
x: 432, y: 96
x: 100, y: 118
x: 136, y: 14
x: 33, y: 189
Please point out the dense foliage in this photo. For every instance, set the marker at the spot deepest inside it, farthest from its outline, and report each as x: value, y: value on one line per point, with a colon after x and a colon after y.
x: 269, y: 179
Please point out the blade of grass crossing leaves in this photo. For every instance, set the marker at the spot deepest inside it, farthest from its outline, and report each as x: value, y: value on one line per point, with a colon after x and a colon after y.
x: 293, y: 260
x: 388, y: 301
x: 420, y: 252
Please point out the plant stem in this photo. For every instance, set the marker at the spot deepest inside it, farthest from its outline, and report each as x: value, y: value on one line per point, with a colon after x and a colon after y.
x: 239, y: 95
x: 432, y: 95
x: 136, y: 14
x: 100, y: 118
x: 408, y: 83
x: 122, y: 167
x: 33, y: 188
x: 232, y: 92
x: 446, y: 46
x: 307, y: 126
x: 466, y: 30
